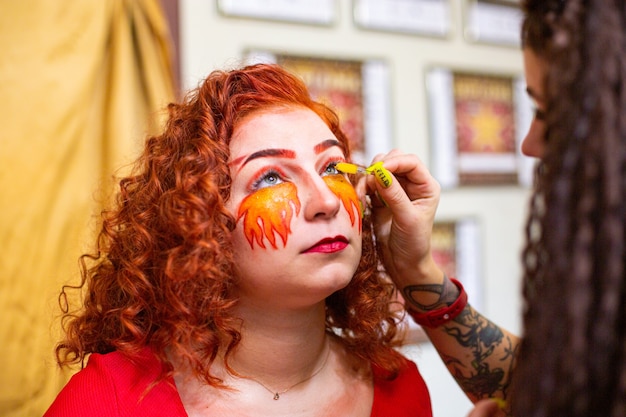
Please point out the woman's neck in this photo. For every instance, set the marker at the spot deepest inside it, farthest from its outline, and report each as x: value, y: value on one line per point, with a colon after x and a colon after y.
x: 280, y: 348
x: 287, y: 357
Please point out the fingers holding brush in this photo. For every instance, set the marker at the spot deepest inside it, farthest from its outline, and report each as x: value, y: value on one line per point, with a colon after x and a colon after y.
x: 404, y: 198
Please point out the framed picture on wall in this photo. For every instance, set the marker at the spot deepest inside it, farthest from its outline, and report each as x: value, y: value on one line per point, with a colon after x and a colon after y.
x: 477, y: 123
x: 358, y: 91
x: 316, y: 12
x: 456, y: 248
x: 496, y: 22
x: 417, y: 17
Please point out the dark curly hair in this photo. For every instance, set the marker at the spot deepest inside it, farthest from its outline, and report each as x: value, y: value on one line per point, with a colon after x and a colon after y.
x: 572, y: 359
x: 162, y: 272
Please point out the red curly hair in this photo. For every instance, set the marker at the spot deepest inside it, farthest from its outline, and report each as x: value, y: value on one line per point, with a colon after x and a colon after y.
x: 162, y: 273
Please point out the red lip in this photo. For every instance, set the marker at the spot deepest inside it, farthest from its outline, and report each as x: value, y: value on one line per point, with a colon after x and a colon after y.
x: 329, y: 245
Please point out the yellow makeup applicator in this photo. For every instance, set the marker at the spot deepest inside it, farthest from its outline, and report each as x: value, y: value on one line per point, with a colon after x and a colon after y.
x: 349, y: 168
x: 382, y: 175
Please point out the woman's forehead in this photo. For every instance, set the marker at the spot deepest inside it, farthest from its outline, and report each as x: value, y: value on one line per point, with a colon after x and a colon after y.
x: 298, y: 130
x: 535, y: 71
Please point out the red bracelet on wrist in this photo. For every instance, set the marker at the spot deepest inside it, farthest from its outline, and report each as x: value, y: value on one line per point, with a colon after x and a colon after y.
x: 440, y: 316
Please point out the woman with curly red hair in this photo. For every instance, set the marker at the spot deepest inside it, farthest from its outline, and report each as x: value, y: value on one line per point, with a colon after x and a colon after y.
x: 238, y: 274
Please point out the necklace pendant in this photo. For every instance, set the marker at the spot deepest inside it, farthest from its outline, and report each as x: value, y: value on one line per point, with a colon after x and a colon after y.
x: 276, y: 396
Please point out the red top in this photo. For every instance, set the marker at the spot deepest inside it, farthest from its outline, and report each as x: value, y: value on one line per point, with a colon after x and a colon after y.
x: 112, y: 385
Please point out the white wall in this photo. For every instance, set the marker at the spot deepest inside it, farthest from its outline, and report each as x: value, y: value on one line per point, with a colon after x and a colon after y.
x: 211, y: 41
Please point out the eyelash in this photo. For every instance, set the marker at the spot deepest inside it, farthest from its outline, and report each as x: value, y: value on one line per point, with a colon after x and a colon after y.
x: 271, y: 172
x: 333, y: 164
x: 540, y: 114
x: 274, y: 172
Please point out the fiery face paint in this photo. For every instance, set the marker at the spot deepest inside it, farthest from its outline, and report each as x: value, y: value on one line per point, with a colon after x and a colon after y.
x: 271, y: 207
x: 346, y: 193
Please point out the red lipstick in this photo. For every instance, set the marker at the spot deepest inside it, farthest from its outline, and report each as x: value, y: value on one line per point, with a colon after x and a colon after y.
x: 329, y: 245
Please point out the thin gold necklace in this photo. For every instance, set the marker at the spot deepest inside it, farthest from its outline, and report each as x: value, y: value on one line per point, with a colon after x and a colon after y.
x: 277, y: 394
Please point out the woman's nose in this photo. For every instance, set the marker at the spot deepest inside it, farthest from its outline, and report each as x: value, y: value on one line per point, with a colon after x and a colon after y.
x: 320, y: 202
x: 534, y: 142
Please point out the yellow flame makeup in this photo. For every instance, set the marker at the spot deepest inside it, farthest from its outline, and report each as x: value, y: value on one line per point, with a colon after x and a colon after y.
x: 346, y: 193
x: 270, y: 210
x: 274, y: 208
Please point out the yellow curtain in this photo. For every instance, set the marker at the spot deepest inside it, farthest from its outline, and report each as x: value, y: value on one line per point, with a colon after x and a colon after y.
x: 81, y: 83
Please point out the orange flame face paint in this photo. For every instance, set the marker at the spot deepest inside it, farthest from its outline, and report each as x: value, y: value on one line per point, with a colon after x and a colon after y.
x: 270, y: 210
x: 346, y: 193
x: 271, y: 207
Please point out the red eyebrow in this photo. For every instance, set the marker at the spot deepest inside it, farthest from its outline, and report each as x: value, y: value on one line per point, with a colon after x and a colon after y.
x: 328, y: 143
x: 283, y: 153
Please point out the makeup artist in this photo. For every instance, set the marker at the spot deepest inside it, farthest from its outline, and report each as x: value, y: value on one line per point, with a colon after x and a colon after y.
x: 572, y: 358
x: 237, y: 273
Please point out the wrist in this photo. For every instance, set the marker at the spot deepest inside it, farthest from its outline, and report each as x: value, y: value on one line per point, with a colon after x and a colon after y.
x: 438, y: 316
x: 428, y: 272
x: 430, y: 295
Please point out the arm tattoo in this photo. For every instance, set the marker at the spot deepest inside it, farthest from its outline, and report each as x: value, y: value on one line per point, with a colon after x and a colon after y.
x: 487, y: 374
x: 491, y: 354
x: 447, y: 291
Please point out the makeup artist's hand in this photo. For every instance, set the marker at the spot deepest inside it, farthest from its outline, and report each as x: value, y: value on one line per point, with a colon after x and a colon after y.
x: 403, y: 226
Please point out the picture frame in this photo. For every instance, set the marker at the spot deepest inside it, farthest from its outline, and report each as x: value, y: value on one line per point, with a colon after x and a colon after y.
x: 494, y: 22
x: 415, y: 17
x: 478, y: 121
x: 313, y: 12
x: 456, y: 248
x: 358, y: 90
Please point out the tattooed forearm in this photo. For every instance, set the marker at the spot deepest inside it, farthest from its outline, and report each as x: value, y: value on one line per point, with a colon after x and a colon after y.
x: 493, y: 354
x: 444, y: 295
